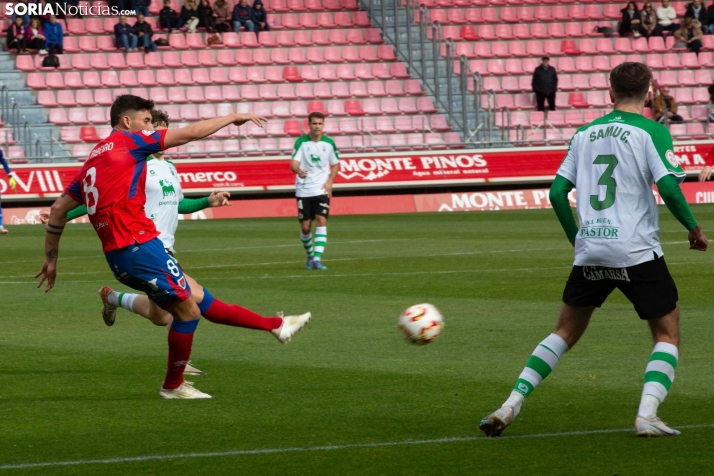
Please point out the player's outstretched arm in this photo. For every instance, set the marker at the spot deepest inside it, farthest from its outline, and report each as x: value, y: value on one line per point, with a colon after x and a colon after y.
x: 561, y: 205
x: 55, y: 227
x: 215, y: 199
x: 672, y: 196
x: 202, y: 129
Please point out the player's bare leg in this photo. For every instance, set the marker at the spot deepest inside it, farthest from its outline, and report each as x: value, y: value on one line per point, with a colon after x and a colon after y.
x: 572, y: 323
x: 283, y: 328
x: 186, y: 315
x: 659, y: 375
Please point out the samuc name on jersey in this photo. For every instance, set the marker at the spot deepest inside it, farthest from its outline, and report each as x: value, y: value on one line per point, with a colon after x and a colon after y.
x: 612, y: 131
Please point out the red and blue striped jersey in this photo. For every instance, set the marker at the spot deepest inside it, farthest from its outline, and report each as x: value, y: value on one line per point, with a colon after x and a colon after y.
x: 112, y: 186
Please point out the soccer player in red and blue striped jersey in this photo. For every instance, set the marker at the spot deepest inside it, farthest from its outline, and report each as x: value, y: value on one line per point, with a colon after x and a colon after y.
x: 111, y: 184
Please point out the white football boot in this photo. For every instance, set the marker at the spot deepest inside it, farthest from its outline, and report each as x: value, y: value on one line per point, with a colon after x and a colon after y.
x: 191, y: 370
x: 184, y: 391
x: 3, y: 231
x: 291, y: 325
x: 496, y: 422
x: 652, y: 426
x: 109, y: 312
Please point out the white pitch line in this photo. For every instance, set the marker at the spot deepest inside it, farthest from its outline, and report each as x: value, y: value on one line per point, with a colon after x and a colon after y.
x: 261, y: 451
x: 349, y: 275
x: 334, y: 242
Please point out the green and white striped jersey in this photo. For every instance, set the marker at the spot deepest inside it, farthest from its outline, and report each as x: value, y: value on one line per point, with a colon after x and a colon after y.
x: 163, y: 194
x: 614, y: 162
x: 316, y: 158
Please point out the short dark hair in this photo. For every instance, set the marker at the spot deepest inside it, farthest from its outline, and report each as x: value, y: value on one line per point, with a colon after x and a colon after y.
x: 316, y: 114
x: 630, y: 81
x: 159, y: 118
x: 128, y: 102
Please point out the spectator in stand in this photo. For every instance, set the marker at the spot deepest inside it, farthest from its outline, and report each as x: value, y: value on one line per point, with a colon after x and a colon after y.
x: 54, y: 34
x: 125, y: 35
x: 260, y: 17
x: 648, y: 21
x: 205, y: 16
x: 545, y: 84
x: 142, y: 6
x: 665, y: 107
x: 630, y: 21
x: 17, y: 37
x: 189, y: 15
x: 710, y: 19
x: 665, y: 18
x: 698, y: 12
x: 169, y: 18
x: 25, y: 17
x: 221, y: 16
x: 144, y: 32
x: 242, y: 15
x: 689, y: 36
x: 37, y: 36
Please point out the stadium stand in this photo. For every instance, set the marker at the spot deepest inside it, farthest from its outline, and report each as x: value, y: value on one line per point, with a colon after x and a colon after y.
x: 326, y: 58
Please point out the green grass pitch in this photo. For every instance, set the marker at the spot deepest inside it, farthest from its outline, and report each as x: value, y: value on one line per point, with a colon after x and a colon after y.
x: 72, y: 389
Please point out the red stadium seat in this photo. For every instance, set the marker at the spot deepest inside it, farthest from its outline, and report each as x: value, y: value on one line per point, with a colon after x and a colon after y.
x: 327, y: 72
x: 577, y: 100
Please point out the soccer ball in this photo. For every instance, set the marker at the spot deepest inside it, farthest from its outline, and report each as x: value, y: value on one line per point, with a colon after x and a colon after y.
x: 421, y: 323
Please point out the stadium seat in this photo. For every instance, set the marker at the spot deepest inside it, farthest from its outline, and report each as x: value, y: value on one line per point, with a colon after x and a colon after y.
x: 577, y: 99
x: 604, y: 46
x: 556, y: 30
x: 671, y: 60
x: 110, y: 79
x: 128, y: 79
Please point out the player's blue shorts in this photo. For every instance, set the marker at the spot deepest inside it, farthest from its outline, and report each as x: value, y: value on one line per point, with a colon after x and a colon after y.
x: 149, y: 269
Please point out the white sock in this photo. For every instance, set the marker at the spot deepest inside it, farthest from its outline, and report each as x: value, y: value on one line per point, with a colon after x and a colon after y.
x: 659, y: 376
x: 320, y: 241
x: 125, y: 300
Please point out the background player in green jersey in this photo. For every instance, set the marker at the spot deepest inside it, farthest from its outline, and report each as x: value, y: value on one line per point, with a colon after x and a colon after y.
x: 315, y: 161
x: 613, y: 163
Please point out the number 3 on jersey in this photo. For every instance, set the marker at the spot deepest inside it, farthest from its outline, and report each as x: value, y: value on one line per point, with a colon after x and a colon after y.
x: 605, y: 179
x: 91, y: 194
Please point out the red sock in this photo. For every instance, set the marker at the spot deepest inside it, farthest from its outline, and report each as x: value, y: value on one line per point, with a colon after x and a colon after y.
x: 232, y: 315
x: 180, y: 342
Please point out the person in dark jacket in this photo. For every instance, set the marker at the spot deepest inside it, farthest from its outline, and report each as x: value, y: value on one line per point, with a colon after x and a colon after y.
x: 54, y: 36
x: 189, y: 15
x: 125, y: 35
x: 710, y: 19
x: 144, y: 32
x: 699, y: 12
x: 630, y: 21
x: 169, y: 18
x: 545, y: 84
x: 242, y: 16
x: 260, y: 17
x: 17, y: 36
x: 205, y: 16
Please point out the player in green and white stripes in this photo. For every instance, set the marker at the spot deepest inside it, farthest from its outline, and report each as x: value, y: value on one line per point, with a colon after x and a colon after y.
x: 315, y: 161
x: 613, y: 163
